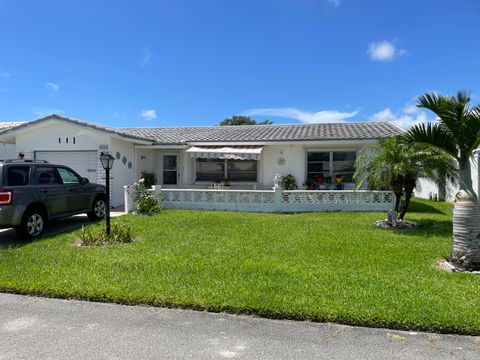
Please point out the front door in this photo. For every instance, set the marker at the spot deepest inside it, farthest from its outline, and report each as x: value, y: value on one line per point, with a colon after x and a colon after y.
x: 169, y: 171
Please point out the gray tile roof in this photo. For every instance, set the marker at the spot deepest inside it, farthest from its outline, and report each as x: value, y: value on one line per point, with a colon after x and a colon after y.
x: 244, y: 133
x: 9, y: 124
x: 261, y: 133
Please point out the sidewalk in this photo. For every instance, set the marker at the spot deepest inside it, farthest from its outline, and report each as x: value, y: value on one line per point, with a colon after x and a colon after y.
x: 38, y: 328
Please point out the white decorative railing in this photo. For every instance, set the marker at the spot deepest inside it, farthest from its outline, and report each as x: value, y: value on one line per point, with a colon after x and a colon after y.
x: 275, y: 201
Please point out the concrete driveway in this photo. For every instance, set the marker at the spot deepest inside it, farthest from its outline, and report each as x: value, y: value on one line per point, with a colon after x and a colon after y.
x: 9, y: 237
x: 38, y: 328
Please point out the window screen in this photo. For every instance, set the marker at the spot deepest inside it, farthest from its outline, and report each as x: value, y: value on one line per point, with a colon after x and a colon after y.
x: 318, y: 164
x: 242, y: 170
x: 344, y: 164
x: 210, y: 170
x: 331, y: 164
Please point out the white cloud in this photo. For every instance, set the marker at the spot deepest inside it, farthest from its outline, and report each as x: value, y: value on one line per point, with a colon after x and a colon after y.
x: 52, y: 86
x: 4, y: 90
x: 149, y: 114
x: 384, y: 51
x: 5, y: 74
x: 410, y: 109
x: 325, y: 116
x: 402, y: 119
x: 147, y: 55
x: 334, y: 3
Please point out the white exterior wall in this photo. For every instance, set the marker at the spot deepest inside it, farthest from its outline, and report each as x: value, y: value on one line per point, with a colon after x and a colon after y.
x: 294, y: 156
x: 45, y: 137
x: 7, y: 151
x: 295, y: 160
x: 145, y: 160
x: 123, y: 171
x: 428, y: 188
x: 268, y: 164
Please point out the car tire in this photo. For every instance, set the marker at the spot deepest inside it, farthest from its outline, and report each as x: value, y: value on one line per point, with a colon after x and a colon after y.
x: 33, y: 224
x: 98, y: 210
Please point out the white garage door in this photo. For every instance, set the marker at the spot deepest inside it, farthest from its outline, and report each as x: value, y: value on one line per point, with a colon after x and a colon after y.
x: 83, y: 162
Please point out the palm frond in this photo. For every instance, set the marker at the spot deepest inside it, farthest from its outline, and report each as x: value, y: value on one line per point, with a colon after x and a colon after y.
x: 432, y: 134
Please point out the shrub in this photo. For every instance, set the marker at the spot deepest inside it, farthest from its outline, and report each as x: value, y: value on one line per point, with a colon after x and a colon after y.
x: 95, y: 236
x: 149, y: 179
x: 139, y: 190
x: 289, y: 183
x: 148, y: 205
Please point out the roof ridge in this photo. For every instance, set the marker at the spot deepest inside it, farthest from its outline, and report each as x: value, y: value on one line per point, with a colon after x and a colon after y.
x: 259, y: 125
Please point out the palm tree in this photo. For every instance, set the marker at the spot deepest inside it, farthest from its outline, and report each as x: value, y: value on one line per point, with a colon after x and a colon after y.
x: 456, y: 133
x: 396, y: 165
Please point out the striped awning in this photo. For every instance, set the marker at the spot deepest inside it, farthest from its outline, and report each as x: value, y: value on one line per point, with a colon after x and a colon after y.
x: 226, y: 152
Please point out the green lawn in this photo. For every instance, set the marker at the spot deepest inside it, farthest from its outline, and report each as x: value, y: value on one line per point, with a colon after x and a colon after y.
x: 317, y: 266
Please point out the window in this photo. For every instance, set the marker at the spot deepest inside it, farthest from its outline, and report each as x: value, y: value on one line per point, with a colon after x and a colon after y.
x: 68, y: 177
x: 318, y: 164
x: 18, y: 175
x: 242, y: 170
x: 331, y: 164
x: 210, y: 170
x: 344, y: 164
x: 220, y: 169
x: 47, y: 176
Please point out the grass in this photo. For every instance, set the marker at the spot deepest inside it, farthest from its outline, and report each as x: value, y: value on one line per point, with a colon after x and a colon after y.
x: 317, y: 266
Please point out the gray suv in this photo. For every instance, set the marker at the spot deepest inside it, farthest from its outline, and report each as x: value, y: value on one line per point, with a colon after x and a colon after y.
x: 32, y: 193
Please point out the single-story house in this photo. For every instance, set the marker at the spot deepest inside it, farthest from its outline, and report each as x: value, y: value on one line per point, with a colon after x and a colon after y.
x: 247, y: 157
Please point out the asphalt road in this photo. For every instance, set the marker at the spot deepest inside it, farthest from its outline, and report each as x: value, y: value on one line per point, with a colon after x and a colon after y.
x: 39, y: 328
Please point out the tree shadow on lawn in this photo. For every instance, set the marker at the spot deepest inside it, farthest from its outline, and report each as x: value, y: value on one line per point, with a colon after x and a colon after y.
x: 423, y: 207
x: 427, y: 228
x: 9, y: 238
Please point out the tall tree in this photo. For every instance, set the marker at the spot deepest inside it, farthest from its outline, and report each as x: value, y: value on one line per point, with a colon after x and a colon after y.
x: 243, y: 120
x: 457, y: 133
x: 395, y: 165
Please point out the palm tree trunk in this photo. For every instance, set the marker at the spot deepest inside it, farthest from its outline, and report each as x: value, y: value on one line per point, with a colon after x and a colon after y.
x: 442, y: 189
x: 466, y: 223
x: 408, y: 196
x: 398, y: 198
x: 465, y: 192
x: 466, y: 235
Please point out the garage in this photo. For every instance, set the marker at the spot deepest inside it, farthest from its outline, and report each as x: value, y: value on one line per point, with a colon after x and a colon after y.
x: 83, y: 162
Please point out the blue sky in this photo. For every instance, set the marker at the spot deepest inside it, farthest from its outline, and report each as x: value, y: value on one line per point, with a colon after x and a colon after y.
x: 185, y: 62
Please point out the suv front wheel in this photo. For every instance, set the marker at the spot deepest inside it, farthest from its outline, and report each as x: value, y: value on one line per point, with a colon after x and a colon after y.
x: 32, y: 225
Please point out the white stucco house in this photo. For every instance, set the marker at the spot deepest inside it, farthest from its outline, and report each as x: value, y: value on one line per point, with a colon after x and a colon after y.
x: 247, y: 157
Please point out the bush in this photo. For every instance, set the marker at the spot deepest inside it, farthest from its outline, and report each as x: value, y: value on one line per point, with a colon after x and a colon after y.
x: 119, y: 233
x: 289, y: 183
x: 148, y: 205
x: 149, y: 179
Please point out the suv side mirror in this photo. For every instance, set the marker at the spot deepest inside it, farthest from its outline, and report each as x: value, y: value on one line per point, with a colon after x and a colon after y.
x: 84, y: 181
